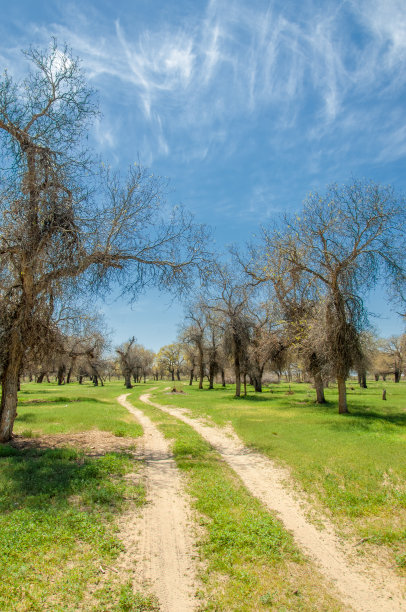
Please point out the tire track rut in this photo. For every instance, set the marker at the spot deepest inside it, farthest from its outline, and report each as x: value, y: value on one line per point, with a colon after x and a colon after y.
x: 164, y: 540
x: 364, y: 588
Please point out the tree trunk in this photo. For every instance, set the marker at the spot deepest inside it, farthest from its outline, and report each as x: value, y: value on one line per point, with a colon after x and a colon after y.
x: 397, y: 376
x: 127, y: 380
x: 191, y: 377
x: 61, y: 375
x: 376, y: 377
x: 10, y: 379
x: 245, y: 384
x: 319, y: 386
x: 364, y: 380
x: 201, y: 369
x: 342, y: 396
x: 257, y: 379
x: 212, y: 370
x: 178, y: 375
x: 223, y: 378
x: 237, y: 372
x: 41, y: 377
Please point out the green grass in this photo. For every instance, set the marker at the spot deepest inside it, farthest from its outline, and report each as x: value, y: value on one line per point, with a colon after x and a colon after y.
x: 352, y: 466
x: 58, y: 506
x: 250, y: 560
x: 49, y: 409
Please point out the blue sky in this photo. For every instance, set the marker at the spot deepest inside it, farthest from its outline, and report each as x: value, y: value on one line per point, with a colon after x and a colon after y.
x: 245, y: 106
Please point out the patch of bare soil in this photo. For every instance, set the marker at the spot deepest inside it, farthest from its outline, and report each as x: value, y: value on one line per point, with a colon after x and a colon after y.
x: 95, y: 443
x: 161, y: 539
x: 362, y: 586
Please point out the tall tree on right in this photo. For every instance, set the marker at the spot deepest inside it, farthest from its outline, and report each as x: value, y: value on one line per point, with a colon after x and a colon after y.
x: 347, y: 240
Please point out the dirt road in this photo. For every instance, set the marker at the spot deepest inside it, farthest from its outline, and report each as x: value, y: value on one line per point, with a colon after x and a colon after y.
x: 163, y: 537
x: 365, y: 588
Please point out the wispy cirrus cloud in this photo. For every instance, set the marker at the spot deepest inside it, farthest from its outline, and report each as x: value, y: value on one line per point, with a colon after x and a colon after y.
x: 313, y: 67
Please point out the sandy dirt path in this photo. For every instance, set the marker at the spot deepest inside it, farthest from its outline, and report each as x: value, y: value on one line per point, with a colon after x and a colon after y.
x: 162, y: 537
x: 365, y: 588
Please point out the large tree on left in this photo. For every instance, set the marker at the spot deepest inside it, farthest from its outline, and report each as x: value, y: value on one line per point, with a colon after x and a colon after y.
x: 64, y: 218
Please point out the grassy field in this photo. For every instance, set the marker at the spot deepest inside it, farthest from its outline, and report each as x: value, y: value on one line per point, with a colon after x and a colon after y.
x: 53, y: 409
x: 59, y: 506
x: 351, y: 466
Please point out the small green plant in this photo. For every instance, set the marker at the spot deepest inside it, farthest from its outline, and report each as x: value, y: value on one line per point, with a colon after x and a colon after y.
x: 118, y: 597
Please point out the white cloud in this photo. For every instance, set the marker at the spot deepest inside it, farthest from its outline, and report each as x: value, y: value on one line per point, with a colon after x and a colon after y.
x: 236, y: 61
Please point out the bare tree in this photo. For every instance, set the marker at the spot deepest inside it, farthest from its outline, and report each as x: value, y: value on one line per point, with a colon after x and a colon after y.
x: 127, y: 360
x: 229, y: 296
x: 346, y: 240
x: 61, y: 219
x: 394, y: 349
x: 294, y: 297
x: 194, y: 333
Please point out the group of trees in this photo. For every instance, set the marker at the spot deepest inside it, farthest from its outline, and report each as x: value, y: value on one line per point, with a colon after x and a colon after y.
x: 69, y: 225
x: 298, y: 294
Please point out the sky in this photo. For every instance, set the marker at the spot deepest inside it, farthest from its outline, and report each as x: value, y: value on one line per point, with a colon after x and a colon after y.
x: 246, y: 106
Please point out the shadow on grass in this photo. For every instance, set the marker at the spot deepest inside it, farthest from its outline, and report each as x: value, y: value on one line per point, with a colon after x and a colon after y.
x: 45, y: 478
x: 28, y: 417
x: 357, y: 418
x: 59, y: 400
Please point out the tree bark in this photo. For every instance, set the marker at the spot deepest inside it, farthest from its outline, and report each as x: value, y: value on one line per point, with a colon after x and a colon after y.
x: 212, y: 370
x: 319, y: 386
x: 191, y: 377
x: 201, y: 368
x: 342, y: 396
x: 127, y: 380
x: 10, y: 379
x: 257, y: 379
x: 237, y: 372
x: 223, y: 378
x: 61, y: 375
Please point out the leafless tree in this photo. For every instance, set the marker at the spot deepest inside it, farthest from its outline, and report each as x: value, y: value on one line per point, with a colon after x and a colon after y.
x: 394, y: 349
x: 346, y: 240
x: 194, y: 333
x: 229, y: 296
x: 128, y: 360
x: 63, y: 217
x: 294, y: 297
